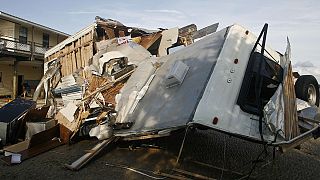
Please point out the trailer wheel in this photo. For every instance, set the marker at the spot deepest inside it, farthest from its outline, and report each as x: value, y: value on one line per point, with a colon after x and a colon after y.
x: 307, y: 89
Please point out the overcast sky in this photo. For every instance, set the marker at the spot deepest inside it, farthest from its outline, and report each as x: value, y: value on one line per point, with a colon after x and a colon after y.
x: 299, y: 20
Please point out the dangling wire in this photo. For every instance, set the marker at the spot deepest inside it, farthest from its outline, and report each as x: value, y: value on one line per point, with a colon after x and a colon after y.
x: 182, y: 145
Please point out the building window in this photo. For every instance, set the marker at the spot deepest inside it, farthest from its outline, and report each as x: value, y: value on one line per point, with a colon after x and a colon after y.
x: 23, y: 35
x: 45, y: 40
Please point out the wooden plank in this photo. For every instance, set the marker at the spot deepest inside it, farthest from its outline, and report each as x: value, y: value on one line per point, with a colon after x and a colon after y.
x: 290, y: 108
x: 88, y: 50
x: 67, y: 63
x: 110, y: 33
x: 82, y: 53
x: 63, y: 65
x: 34, y: 151
x: 69, y: 60
x: 89, y: 155
x: 74, y: 61
x: 39, y: 143
x: 73, y: 58
x: 77, y: 55
x: 90, y: 47
x: 148, y: 41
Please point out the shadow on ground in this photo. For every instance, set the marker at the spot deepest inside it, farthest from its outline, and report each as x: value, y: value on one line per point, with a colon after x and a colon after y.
x: 206, y: 152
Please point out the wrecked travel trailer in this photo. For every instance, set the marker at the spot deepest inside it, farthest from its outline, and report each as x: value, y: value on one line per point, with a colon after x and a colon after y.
x: 125, y: 83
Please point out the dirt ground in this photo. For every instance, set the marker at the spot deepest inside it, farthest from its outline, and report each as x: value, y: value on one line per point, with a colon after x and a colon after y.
x: 216, y: 150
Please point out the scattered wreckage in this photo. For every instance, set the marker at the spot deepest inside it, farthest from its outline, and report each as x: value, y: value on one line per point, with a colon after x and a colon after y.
x: 126, y: 83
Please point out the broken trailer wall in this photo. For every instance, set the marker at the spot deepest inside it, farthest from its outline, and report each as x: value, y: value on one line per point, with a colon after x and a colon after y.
x: 164, y: 107
x: 75, y: 52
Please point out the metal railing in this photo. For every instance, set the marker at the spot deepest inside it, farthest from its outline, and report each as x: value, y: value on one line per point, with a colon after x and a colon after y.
x: 13, y: 45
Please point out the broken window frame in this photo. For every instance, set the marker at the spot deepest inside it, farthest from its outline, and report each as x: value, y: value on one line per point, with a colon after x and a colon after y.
x: 256, y: 77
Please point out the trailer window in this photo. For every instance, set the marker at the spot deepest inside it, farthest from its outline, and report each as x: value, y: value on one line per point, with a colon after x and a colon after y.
x: 271, y: 77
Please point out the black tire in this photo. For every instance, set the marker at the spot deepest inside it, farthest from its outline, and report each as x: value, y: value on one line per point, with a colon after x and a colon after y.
x: 307, y: 89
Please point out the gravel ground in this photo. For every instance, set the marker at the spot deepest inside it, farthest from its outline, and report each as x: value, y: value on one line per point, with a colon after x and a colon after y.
x: 216, y: 150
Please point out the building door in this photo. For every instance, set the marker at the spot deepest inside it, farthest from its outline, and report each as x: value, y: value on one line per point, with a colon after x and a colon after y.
x: 20, y: 84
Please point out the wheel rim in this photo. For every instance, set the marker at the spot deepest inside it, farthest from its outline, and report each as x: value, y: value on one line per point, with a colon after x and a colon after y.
x: 312, y: 94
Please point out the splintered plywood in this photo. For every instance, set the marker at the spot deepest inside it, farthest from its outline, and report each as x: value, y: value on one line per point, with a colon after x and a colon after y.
x: 110, y: 33
x: 95, y: 82
x: 109, y: 93
x: 290, y: 107
x: 75, y: 55
x: 148, y: 41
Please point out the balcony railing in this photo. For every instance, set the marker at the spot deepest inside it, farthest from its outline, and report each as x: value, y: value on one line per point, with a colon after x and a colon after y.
x: 13, y: 45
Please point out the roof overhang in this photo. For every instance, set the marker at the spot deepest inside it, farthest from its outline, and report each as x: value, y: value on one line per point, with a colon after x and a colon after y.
x: 18, y: 20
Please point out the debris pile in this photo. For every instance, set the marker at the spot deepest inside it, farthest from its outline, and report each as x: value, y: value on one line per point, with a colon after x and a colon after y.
x: 114, y: 82
x: 95, y: 66
x: 86, y: 86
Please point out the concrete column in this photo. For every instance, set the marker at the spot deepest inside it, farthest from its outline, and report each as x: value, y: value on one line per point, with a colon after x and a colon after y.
x: 15, y: 79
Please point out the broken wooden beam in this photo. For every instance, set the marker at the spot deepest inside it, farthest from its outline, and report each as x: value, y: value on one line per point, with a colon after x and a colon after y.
x: 82, y: 161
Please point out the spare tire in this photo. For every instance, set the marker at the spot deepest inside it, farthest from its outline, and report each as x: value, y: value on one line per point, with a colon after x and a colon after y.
x: 307, y: 89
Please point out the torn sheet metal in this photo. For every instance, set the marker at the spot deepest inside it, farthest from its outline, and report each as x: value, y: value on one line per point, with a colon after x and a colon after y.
x: 274, y: 113
x: 169, y: 37
x: 133, y: 51
x: 205, y: 31
x: 127, y: 95
x: 70, y: 89
x: 301, y: 104
x: 134, y: 98
x: 106, y: 57
x: 163, y: 107
x: 310, y: 113
x: 36, y: 121
x: 108, y: 50
x: 38, y: 126
x: 49, y: 73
